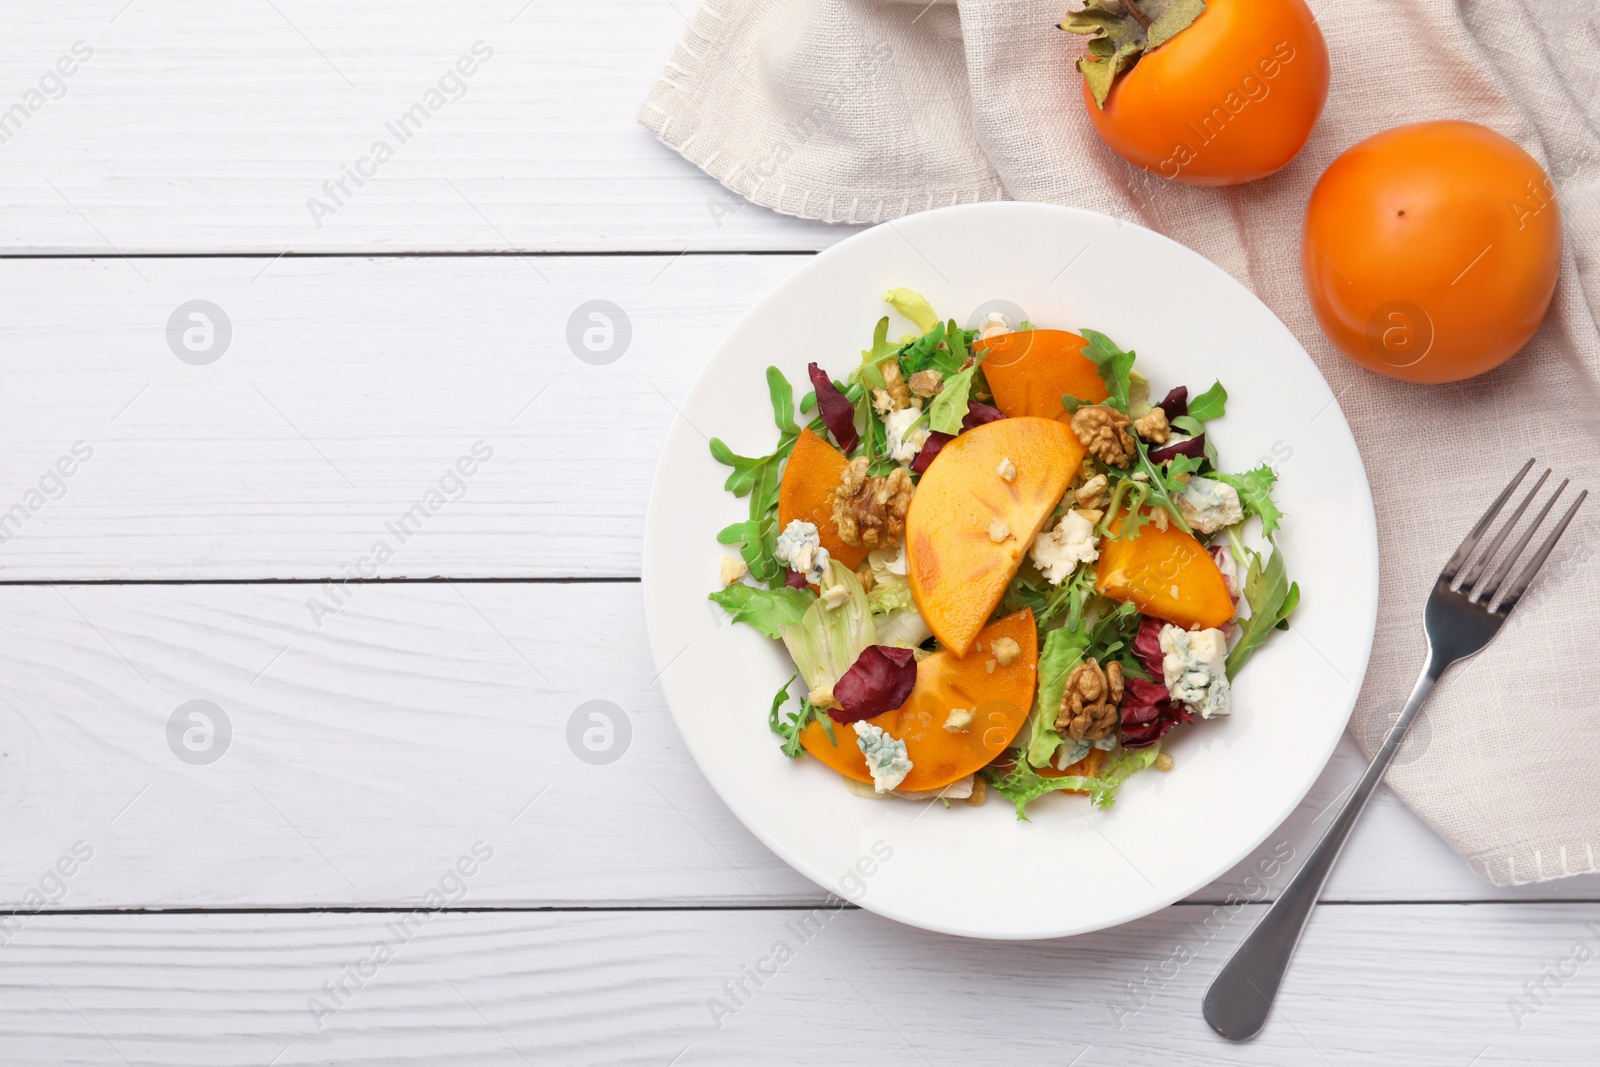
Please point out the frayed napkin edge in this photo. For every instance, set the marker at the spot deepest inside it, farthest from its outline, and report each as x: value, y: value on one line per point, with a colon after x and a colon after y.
x: 1527, y: 866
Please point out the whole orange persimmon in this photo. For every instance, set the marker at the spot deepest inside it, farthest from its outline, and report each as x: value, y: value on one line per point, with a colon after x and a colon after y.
x: 1430, y: 251
x: 1226, y: 98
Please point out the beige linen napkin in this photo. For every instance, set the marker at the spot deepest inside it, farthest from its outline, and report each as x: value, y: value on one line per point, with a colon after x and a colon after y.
x: 857, y: 111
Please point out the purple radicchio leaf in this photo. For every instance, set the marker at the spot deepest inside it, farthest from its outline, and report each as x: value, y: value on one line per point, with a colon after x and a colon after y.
x: 1176, y: 403
x: 977, y: 415
x: 1147, y: 645
x: 1193, y: 447
x: 930, y: 449
x: 1148, y: 713
x: 837, y: 412
x: 880, y: 680
x: 980, y: 415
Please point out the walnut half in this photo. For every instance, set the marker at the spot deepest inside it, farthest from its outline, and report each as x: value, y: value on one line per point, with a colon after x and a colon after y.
x: 1152, y: 426
x: 926, y: 383
x: 871, y: 511
x: 1104, y: 432
x: 1089, y: 703
x: 896, y: 394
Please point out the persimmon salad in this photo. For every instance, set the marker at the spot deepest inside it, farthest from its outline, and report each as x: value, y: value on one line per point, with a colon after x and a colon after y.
x: 996, y: 564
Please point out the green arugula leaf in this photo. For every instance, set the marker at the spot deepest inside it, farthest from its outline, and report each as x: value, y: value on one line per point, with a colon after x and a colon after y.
x: 790, y: 727
x: 1162, y: 479
x: 1211, y: 404
x: 778, y: 701
x: 1290, y: 602
x: 935, y: 350
x: 759, y: 478
x: 782, y: 402
x: 744, y: 467
x: 881, y: 349
x: 1070, y: 597
x: 1255, y: 493
x: 1189, y: 425
x: 1113, y: 364
x: 959, y: 342
x: 763, y: 561
x: 949, y: 406
x: 768, y: 610
x: 747, y: 535
x: 1271, y: 597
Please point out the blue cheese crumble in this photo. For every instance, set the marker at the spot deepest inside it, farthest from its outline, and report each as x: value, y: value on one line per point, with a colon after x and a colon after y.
x: 886, y: 756
x: 903, y: 447
x: 799, y: 547
x: 1209, y: 505
x: 1058, y: 552
x: 1194, y: 666
x: 1072, y: 751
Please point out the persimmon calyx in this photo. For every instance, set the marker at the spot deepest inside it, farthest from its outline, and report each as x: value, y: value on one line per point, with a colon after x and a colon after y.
x: 1120, y: 31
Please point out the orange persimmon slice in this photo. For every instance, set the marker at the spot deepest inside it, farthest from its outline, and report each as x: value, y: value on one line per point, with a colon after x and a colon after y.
x: 806, y: 493
x: 968, y: 528
x: 1088, y: 767
x: 1167, y: 573
x: 1028, y: 372
x: 999, y: 703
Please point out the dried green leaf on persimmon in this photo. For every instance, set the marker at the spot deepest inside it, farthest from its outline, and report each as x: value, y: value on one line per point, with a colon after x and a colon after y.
x: 1120, y: 31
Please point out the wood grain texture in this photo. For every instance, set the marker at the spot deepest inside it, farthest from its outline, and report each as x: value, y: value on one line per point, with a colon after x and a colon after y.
x: 1423, y: 985
x: 200, y: 127
x: 382, y: 746
x: 415, y: 720
x: 349, y: 388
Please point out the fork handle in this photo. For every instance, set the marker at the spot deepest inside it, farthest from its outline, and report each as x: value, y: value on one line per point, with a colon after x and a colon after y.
x: 1240, y: 999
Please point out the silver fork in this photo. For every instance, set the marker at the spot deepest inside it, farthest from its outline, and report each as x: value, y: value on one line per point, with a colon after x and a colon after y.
x: 1464, y: 613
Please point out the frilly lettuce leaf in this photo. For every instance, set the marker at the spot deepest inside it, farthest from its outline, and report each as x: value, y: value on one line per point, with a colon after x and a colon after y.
x: 768, y: 610
x: 914, y: 306
x: 1138, y: 395
x: 1113, y: 364
x: 826, y: 641
x: 891, y: 590
x: 1022, y: 784
x: 1255, y: 493
x: 905, y: 628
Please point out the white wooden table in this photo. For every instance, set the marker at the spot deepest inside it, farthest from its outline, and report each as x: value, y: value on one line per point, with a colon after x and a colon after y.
x: 404, y: 744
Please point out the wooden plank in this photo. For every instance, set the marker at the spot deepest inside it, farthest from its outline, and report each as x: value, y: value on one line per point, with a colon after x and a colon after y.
x: 187, y: 126
x: 347, y: 391
x: 415, y: 720
x: 1415, y: 984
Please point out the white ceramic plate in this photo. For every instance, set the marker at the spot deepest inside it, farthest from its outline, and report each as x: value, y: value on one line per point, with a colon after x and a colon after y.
x: 979, y: 872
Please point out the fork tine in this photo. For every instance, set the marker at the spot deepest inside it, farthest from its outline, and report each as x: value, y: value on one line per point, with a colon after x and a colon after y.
x: 1465, y: 551
x: 1520, y: 586
x: 1489, y: 588
x: 1475, y: 571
